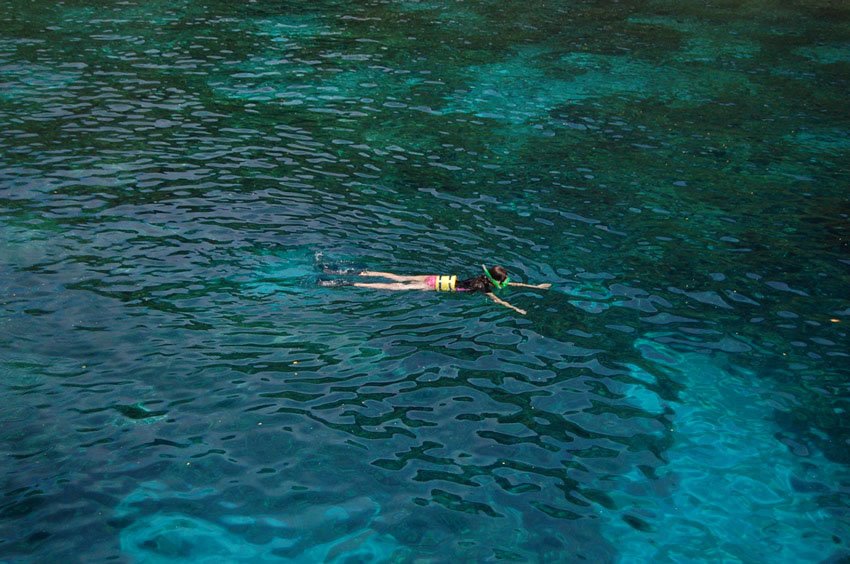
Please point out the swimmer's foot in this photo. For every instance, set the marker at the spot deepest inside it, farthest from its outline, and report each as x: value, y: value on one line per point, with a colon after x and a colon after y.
x: 342, y: 271
x: 334, y: 283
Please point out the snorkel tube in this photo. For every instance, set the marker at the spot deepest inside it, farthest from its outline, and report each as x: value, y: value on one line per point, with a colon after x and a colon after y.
x: 498, y: 285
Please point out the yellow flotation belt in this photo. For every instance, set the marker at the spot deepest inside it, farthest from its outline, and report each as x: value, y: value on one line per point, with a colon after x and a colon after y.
x: 445, y: 283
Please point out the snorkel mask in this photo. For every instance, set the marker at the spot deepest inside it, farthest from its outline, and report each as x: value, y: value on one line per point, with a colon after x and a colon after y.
x: 498, y: 285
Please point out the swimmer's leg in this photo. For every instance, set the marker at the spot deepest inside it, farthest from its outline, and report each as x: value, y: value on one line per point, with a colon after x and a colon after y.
x: 397, y: 277
x: 392, y: 286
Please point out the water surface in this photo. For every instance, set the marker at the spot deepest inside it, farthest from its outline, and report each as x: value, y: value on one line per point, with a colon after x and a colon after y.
x: 177, y: 387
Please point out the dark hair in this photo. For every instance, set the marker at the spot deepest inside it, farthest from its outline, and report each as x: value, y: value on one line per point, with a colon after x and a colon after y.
x: 482, y: 283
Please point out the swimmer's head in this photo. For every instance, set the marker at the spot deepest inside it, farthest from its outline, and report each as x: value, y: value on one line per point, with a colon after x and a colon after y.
x: 495, y: 277
x: 498, y: 273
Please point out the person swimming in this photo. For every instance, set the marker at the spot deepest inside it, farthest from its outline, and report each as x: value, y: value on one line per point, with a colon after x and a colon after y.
x: 493, y: 280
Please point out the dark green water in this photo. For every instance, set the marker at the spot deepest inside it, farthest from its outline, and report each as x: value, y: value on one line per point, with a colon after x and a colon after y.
x: 176, y: 387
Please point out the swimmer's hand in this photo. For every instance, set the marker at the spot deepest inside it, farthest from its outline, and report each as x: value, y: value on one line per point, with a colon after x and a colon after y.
x: 506, y: 304
x: 538, y: 286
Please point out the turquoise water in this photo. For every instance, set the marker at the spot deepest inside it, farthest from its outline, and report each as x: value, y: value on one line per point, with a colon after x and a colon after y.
x: 176, y: 387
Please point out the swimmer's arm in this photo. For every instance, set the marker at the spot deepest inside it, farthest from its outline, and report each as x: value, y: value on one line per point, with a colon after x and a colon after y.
x: 506, y: 304
x: 538, y: 286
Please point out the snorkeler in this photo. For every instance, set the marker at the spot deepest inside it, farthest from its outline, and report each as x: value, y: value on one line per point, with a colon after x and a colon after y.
x: 493, y: 280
